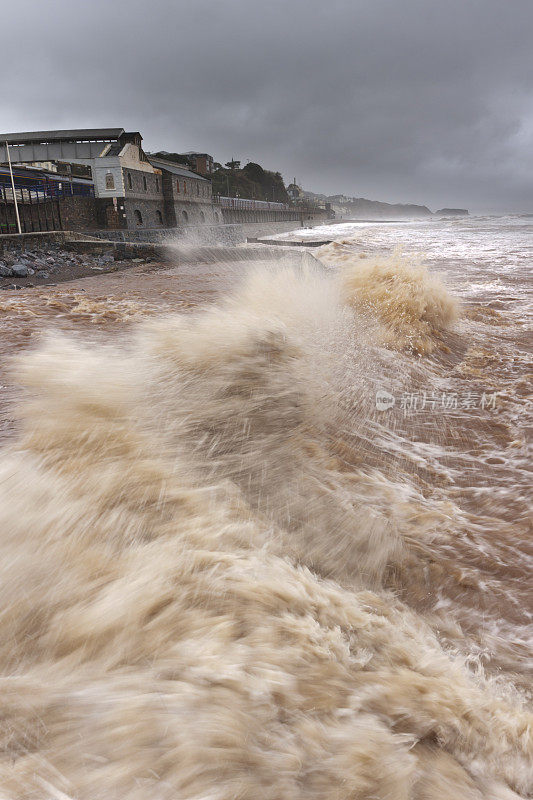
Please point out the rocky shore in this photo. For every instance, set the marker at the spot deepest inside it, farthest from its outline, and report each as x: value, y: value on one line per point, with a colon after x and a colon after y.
x: 50, y: 263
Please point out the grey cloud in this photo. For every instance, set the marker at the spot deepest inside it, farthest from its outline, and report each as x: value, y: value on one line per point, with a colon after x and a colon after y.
x: 413, y: 100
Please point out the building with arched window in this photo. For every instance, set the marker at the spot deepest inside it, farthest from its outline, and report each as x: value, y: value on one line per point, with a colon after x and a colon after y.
x: 131, y: 188
x: 188, y: 196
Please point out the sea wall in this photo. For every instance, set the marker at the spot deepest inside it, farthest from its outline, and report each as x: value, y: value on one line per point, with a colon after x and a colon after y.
x: 207, y: 234
x: 177, y: 252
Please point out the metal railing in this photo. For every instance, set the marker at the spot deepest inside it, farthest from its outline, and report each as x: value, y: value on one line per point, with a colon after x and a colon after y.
x: 34, y: 191
x: 241, y: 202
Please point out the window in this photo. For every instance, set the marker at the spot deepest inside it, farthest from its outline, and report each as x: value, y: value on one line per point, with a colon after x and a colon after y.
x: 185, y: 216
x: 109, y: 181
x: 202, y: 216
x: 198, y: 189
x: 145, y: 186
x: 184, y: 187
x: 157, y: 184
x: 178, y: 187
x: 216, y: 216
x: 159, y: 216
x: 138, y: 217
x: 130, y: 184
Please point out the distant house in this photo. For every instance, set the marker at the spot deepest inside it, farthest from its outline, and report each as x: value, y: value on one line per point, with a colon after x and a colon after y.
x: 200, y: 162
x: 294, y: 191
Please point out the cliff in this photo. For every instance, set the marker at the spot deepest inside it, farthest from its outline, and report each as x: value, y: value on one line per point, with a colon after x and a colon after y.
x: 361, y: 208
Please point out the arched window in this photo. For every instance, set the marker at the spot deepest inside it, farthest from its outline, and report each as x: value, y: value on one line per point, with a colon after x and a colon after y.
x: 159, y: 216
x: 145, y: 186
x: 178, y: 187
x: 185, y: 216
x: 138, y: 217
x: 202, y: 216
x: 109, y: 181
x: 216, y: 216
x: 197, y: 189
x: 157, y: 184
x: 130, y: 183
x: 184, y: 187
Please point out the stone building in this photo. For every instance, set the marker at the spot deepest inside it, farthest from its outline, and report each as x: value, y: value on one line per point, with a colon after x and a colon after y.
x: 134, y: 190
x: 130, y: 189
x: 200, y: 162
x: 188, y: 196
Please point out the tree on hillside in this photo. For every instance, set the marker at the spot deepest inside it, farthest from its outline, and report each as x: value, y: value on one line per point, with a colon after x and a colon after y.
x: 252, y: 182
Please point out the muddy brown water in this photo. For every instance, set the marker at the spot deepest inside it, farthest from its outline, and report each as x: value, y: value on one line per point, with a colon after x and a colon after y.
x: 262, y: 582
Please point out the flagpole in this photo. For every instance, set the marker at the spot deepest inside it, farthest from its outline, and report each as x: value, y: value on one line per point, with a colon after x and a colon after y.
x: 13, y: 187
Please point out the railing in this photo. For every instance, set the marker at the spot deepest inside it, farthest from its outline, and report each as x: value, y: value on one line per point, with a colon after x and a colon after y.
x: 34, y: 191
x: 240, y: 202
x: 38, y: 202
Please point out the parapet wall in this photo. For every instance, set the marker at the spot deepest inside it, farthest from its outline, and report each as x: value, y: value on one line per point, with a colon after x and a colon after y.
x: 206, y: 234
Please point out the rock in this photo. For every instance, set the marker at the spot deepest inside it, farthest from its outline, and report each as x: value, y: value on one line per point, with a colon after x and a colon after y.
x: 50, y: 259
x: 39, y: 265
x: 20, y: 270
x: 42, y: 274
x: 5, y: 271
x: 452, y: 212
x: 106, y: 259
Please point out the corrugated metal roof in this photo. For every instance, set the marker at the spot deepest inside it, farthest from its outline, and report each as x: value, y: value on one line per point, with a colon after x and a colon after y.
x: 35, y: 172
x: 171, y: 166
x: 80, y: 134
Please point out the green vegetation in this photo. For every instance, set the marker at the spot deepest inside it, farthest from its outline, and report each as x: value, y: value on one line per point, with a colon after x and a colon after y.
x: 252, y: 181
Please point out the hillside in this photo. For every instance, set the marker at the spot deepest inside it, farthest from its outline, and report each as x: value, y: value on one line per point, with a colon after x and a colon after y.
x: 361, y: 208
x: 251, y: 181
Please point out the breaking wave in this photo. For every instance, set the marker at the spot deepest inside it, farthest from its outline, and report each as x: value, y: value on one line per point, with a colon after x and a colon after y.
x: 195, y: 569
x: 413, y: 305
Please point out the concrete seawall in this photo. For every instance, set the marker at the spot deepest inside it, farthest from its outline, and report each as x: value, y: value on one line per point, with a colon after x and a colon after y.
x: 175, y: 252
x: 229, y: 234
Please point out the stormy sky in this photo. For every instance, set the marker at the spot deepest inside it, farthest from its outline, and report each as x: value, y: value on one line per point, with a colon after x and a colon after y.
x: 424, y: 101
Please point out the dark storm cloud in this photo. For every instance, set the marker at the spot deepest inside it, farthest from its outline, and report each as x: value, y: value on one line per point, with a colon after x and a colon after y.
x: 401, y: 100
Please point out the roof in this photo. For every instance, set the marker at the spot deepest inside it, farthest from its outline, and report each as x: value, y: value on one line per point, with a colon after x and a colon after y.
x: 175, y: 169
x: 78, y: 134
x: 39, y: 172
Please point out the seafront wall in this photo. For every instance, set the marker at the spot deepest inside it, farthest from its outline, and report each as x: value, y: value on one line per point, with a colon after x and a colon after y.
x: 207, y: 234
x: 175, y: 253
